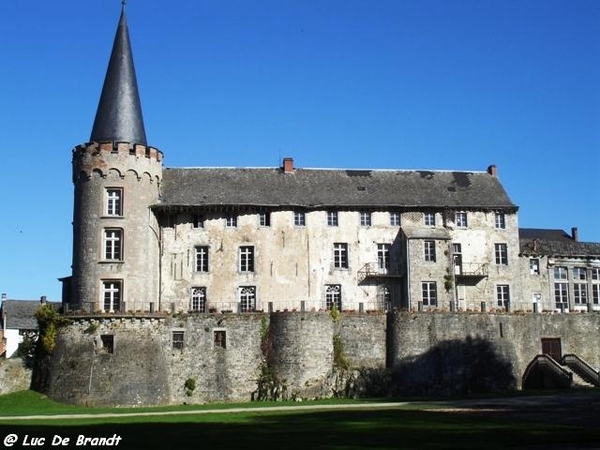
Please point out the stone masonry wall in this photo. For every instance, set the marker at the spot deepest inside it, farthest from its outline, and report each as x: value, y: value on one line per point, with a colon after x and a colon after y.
x: 147, y: 361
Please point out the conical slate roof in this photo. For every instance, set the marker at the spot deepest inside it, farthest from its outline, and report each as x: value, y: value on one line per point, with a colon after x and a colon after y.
x: 119, y: 114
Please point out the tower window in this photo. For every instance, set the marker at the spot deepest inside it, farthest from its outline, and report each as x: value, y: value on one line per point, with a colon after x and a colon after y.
x: 114, y: 202
x: 111, y: 295
x: 113, y: 244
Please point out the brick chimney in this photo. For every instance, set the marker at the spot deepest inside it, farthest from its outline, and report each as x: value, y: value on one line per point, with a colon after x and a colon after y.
x: 575, y: 234
x: 288, y: 165
x: 493, y: 170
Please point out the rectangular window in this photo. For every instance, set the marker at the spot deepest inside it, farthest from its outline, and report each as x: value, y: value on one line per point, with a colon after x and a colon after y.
x: 332, y: 218
x: 220, y: 338
x: 114, y: 202
x: 202, y: 259
x: 395, y: 219
x: 247, y: 258
x: 429, y: 219
x: 503, y: 296
x: 429, y: 250
x: 579, y: 273
x: 111, y: 295
x: 365, y: 219
x: 299, y: 218
x: 499, y: 220
x: 198, y: 221
x: 108, y: 343
x: 340, y: 255
x: 231, y: 221
x: 383, y: 257
x: 333, y: 297
x: 264, y: 219
x: 561, y: 295
x: 247, y: 296
x: 501, y: 254
x: 595, y: 274
x: 596, y: 294
x: 460, y: 219
x: 113, y: 244
x: 561, y: 273
x: 177, y: 339
x: 534, y: 266
x: 580, y: 294
x: 429, y: 290
x: 198, y: 299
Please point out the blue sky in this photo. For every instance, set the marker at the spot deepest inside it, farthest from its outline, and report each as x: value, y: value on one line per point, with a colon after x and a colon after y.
x: 432, y: 84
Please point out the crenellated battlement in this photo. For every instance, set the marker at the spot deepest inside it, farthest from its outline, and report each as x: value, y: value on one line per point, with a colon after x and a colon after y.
x: 121, y: 158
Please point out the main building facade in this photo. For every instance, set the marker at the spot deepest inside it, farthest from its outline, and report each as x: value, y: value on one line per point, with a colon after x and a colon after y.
x: 150, y: 238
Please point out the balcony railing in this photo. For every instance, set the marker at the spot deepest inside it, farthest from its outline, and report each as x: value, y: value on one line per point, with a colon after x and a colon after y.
x: 374, y: 270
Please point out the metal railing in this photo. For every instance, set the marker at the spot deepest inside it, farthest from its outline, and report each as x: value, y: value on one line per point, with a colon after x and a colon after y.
x: 581, y: 368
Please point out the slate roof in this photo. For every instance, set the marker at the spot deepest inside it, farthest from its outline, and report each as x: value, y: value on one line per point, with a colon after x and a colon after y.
x: 119, y: 113
x: 548, y: 242
x: 20, y: 314
x: 317, y: 188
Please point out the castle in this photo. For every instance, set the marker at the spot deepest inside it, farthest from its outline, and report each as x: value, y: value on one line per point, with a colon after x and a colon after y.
x: 218, y: 244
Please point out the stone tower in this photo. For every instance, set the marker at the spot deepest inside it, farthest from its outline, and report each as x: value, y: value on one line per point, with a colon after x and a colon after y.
x: 116, y: 178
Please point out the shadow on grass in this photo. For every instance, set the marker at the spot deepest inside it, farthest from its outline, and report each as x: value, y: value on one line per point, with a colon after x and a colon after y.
x: 380, y: 429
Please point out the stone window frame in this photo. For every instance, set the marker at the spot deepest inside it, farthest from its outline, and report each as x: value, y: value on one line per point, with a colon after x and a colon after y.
x: 429, y: 253
x: 333, y: 297
x: 112, y: 294
x: 107, y: 343
x: 112, y: 244
x: 246, y: 258
x: 220, y: 338
x: 534, y: 266
x: 177, y: 338
x: 231, y: 221
x: 299, y: 218
x: 580, y: 293
x: 501, y: 253
x: 332, y: 218
x: 499, y: 220
x: 366, y: 218
x: 429, y: 219
x: 503, y: 296
x: 247, y: 298
x: 201, y: 259
x: 264, y: 219
x: 340, y: 256
x: 561, y: 294
x: 113, y: 205
x: 395, y: 218
x: 198, y: 299
x: 461, y: 219
x: 429, y: 293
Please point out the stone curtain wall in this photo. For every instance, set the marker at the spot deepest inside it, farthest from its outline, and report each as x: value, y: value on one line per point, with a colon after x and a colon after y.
x: 436, y: 353
x: 399, y: 354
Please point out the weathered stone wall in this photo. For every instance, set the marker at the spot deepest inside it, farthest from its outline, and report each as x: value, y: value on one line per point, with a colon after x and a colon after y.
x: 399, y: 354
x: 14, y: 375
x: 458, y: 353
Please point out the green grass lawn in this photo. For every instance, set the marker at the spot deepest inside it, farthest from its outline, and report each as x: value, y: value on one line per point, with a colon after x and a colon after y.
x: 403, y: 427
